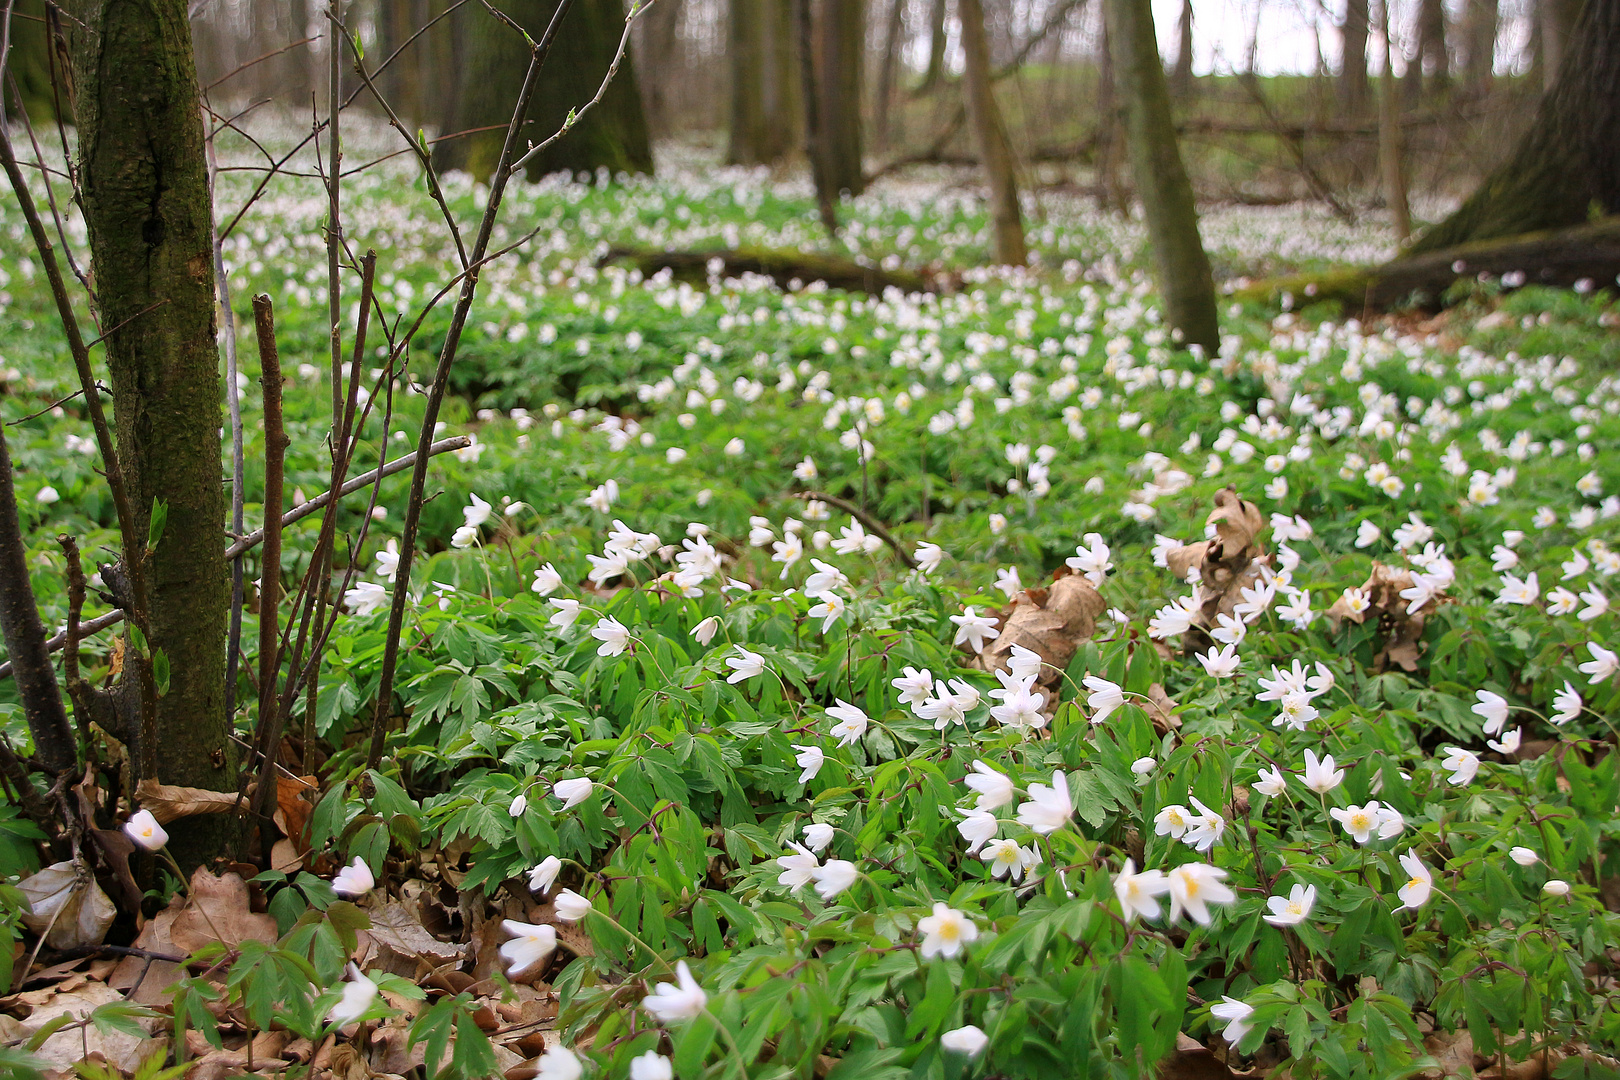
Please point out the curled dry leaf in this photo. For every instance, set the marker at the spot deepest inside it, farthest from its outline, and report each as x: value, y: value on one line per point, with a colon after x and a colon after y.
x: 169, y: 802
x: 1399, y: 632
x: 1227, y: 563
x: 67, y: 906
x: 405, y: 947
x: 1052, y: 621
x: 69, y: 1046
x: 219, y: 910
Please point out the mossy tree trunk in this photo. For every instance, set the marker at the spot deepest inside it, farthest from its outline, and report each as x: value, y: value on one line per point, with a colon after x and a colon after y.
x: 613, y: 135
x: 1353, y: 58
x: 146, y: 205
x: 1181, y: 76
x: 1566, y: 168
x: 840, y: 54
x: 1006, y: 220
x: 1180, y: 265
x: 1556, y: 19
x: 765, y: 100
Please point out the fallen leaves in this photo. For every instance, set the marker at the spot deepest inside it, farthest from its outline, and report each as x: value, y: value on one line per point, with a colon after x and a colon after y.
x: 67, y: 906
x: 1400, y: 631
x: 1227, y: 563
x: 1051, y: 621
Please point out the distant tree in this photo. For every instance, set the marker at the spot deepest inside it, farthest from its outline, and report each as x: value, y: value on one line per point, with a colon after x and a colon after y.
x: 840, y: 55
x: 1180, y: 265
x: 1479, y: 45
x: 1353, y: 57
x: 1430, y: 68
x: 29, y: 62
x: 935, y: 71
x: 1566, y: 167
x: 888, y: 66
x: 1555, y: 21
x: 612, y: 135
x: 765, y: 121
x: 1006, y: 220
x: 1181, y: 76
x: 658, y: 54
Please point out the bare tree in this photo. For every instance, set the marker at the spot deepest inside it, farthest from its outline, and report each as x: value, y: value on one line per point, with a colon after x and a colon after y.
x: 1007, y: 245
x: 765, y: 99
x: 1353, y: 57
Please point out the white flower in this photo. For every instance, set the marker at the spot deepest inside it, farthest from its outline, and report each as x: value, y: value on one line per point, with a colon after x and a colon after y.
x: 787, y: 551
x: 614, y: 636
x: 1516, y: 591
x: 47, y: 495
x: 972, y: 629
x: 1524, y: 856
x: 1320, y: 776
x: 1007, y: 581
x: 1390, y: 822
x: 1272, y: 782
x: 573, y: 791
x: 530, y: 944
x: 851, y: 724
x: 745, y: 665
x: 570, y: 906
x: 978, y: 827
x: 1415, y: 893
x: 968, y: 1041
x: 704, y: 631
x: 1144, y: 766
x: 995, y: 789
x: 1567, y: 704
x: 946, y: 932
x: 366, y: 597
x: 1603, y: 664
x: 1025, y: 664
x: 546, y: 580
x: 519, y: 805
x: 818, y: 835
x: 1561, y: 601
x: 1462, y: 765
x: 799, y: 868
x: 1048, y: 808
x: 1172, y: 821
x: 1556, y: 887
x: 1291, y: 910
x: 652, y: 1066
x: 354, y: 880
x: 680, y: 1000
x: 1220, y: 663
x: 1103, y: 697
x: 476, y: 512
x: 1204, y: 831
x: 1008, y: 859
x: 144, y: 829
x: 1493, y: 709
x: 464, y: 537
x: 1508, y: 743
x: 834, y: 877
x: 915, y: 686
x: 810, y: 759
x: 1596, y: 604
x: 928, y: 557
x: 1194, y: 886
x: 1368, y: 534
x: 1091, y: 558
x: 1236, y: 1015
x: 387, y: 566
x: 559, y: 1063
x: 1358, y: 821
x: 567, y: 612
x: 358, y: 994
x: 829, y: 610
x: 544, y: 875
x: 1138, y: 893
x: 1020, y: 708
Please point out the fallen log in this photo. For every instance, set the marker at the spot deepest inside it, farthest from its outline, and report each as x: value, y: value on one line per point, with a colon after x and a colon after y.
x: 784, y: 266
x: 1555, y: 257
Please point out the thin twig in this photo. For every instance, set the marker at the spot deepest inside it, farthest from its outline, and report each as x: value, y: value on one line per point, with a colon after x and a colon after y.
x: 877, y: 527
x: 275, y: 452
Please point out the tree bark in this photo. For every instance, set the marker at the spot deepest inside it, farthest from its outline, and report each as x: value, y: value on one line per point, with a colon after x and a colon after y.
x: 1353, y: 58
x: 1557, y: 19
x: 1181, y: 78
x: 936, y: 45
x: 815, y: 133
x: 765, y: 96
x: 24, y: 636
x: 1006, y: 220
x: 1566, y: 168
x: 657, y: 51
x: 882, y: 113
x: 1431, y: 70
x: 146, y: 205
x: 1391, y: 164
x: 840, y: 54
x: 1479, y: 44
x: 613, y: 135
x: 1179, y: 262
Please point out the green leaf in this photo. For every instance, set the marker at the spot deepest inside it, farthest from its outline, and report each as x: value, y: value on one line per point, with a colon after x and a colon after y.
x: 156, y: 523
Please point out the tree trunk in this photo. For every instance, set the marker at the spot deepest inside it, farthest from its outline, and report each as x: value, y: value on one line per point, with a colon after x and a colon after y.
x: 882, y: 114
x: 613, y: 135
x: 1181, y: 77
x: 1479, y: 42
x: 1391, y: 165
x: 1353, y: 59
x: 1006, y: 221
x: 146, y: 205
x: 1557, y: 20
x: 840, y: 54
x: 936, y: 45
x: 1179, y: 262
x: 657, y: 54
x: 24, y: 637
x: 764, y: 82
x: 1566, y: 168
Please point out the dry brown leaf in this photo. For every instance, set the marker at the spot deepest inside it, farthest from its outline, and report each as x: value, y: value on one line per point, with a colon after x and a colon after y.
x: 1191, y: 1060
x: 169, y: 802
x: 218, y: 910
x: 284, y: 856
x: 1400, y: 633
x: 294, y: 804
x: 146, y: 980
x: 67, y: 906
x: 405, y: 948
x: 1183, y: 559
x: 70, y: 1045
x: 1454, y: 1051
x: 1161, y: 710
x: 1051, y: 621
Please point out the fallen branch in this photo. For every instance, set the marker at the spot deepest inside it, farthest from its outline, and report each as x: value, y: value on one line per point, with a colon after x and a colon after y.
x: 875, y: 526
x: 781, y: 265
x: 253, y: 539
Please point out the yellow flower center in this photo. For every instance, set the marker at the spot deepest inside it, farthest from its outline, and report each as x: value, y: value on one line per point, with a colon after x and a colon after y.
x: 950, y: 931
